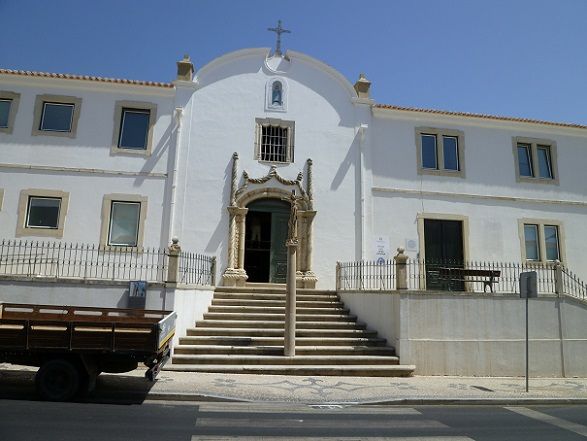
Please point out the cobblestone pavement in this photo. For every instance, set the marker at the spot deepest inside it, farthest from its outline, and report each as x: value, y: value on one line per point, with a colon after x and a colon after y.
x: 314, y: 390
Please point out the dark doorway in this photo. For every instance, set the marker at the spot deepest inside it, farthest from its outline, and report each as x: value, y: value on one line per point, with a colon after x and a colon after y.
x: 443, y: 244
x: 265, y: 236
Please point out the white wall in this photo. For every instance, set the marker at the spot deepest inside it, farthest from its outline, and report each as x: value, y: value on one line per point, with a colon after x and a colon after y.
x: 477, y: 335
x: 84, y: 165
x: 190, y: 305
x: 99, y: 294
x: 398, y: 193
x: 230, y: 95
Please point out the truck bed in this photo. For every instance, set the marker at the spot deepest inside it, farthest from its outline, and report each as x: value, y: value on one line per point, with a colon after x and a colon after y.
x: 38, y: 328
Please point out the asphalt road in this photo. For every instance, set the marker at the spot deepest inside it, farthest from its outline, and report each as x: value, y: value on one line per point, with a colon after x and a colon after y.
x: 215, y: 421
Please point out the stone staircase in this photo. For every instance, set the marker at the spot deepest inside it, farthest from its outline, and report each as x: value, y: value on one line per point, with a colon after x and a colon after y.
x: 243, y: 330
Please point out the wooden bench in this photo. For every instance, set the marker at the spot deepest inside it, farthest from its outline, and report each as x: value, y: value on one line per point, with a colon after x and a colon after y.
x: 487, y: 277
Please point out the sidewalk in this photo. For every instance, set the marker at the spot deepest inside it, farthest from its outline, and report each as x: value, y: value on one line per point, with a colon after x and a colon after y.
x: 18, y: 382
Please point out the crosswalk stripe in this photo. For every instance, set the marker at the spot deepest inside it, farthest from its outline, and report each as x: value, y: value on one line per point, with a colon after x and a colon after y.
x: 303, y: 409
x: 558, y: 422
x: 335, y: 438
x: 311, y: 423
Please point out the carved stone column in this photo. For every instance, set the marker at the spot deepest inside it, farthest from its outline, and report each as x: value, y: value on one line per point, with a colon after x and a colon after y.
x: 308, y: 279
x: 235, y: 274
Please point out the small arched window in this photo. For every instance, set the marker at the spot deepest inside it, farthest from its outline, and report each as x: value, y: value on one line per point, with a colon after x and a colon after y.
x: 277, y: 94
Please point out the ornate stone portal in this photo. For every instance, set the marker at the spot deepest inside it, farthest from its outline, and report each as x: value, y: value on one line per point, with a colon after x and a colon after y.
x: 251, y: 189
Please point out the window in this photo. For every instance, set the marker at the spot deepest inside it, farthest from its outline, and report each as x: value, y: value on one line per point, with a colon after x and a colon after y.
x: 541, y: 240
x: 440, y: 151
x: 42, y: 212
x: 4, y: 112
x: 274, y: 141
x: 56, y: 115
x: 124, y: 223
x: 536, y: 160
x: 123, y: 218
x: 8, y: 107
x: 133, y: 127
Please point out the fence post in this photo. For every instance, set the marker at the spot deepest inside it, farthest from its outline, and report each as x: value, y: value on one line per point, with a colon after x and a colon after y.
x: 558, y: 278
x: 337, y: 276
x: 213, y: 271
x: 401, y: 272
x: 173, y: 267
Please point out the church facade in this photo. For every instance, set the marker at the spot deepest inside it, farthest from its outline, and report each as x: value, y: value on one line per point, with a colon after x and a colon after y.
x: 214, y: 157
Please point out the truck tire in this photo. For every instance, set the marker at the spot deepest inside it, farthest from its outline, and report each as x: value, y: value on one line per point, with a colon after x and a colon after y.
x: 57, y: 380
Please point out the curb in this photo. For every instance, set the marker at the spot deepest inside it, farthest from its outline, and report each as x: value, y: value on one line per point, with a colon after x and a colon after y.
x: 445, y: 401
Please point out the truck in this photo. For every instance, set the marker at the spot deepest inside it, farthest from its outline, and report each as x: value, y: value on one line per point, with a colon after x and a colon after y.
x: 72, y: 345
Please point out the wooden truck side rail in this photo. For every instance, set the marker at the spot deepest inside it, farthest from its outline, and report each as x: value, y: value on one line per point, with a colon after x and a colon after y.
x: 81, y: 342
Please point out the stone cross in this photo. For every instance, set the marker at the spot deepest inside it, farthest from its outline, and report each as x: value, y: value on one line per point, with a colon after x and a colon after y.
x: 278, y: 30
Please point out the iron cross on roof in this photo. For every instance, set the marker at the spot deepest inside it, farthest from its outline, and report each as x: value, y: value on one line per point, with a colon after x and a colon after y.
x: 278, y: 30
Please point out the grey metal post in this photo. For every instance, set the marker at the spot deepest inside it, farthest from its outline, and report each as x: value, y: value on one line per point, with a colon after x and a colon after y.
x: 527, y: 350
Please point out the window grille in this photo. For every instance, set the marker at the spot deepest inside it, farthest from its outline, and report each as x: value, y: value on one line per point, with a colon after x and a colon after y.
x: 275, y: 142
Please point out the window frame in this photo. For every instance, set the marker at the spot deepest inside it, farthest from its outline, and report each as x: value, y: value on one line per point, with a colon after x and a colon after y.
x: 440, y: 134
x: 541, y: 224
x: 39, y: 111
x: 28, y: 212
x: 534, y: 144
x: 107, y: 201
x: 139, y: 106
x: 22, y: 228
x: 273, y: 122
x: 14, y: 99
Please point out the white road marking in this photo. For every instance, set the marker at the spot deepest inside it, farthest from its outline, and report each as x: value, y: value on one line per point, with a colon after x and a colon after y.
x: 335, y: 438
x: 304, y: 409
x: 558, y: 422
x: 311, y: 423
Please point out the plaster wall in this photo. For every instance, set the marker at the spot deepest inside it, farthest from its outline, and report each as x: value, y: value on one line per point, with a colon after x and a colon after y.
x: 98, y: 294
x: 476, y: 335
x: 190, y: 305
x: 231, y: 95
x: 489, y: 195
x: 84, y: 165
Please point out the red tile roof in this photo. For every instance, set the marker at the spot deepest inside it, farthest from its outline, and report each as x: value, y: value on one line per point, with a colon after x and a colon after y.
x: 480, y: 115
x: 28, y: 73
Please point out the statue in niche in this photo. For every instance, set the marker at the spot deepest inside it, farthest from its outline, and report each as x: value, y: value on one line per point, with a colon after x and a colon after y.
x: 277, y: 94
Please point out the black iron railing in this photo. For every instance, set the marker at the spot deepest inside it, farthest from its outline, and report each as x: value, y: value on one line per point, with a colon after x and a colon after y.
x: 441, y: 275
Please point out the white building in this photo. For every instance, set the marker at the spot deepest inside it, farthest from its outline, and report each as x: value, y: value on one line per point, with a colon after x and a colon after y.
x: 212, y: 159
x: 131, y: 163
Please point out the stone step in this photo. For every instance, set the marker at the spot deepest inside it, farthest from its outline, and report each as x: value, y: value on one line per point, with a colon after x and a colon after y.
x: 274, y: 296
x: 260, y: 332
x: 271, y: 289
x: 278, y: 324
x: 277, y: 317
x: 282, y: 360
x: 274, y: 309
x: 278, y: 341
x: 321, y: 370
x: 278, y: 350
x: 276, y: 303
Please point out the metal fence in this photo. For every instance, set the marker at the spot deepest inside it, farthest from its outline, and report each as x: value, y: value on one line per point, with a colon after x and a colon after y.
x: 87, y: 261
x: 375, y: 276
x: 365, y: 275
x: 83, y: 261
x: 573, y: 286
x: 196, y: 269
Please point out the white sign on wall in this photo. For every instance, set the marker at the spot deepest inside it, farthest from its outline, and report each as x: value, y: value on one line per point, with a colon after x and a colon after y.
x: 382, y: 252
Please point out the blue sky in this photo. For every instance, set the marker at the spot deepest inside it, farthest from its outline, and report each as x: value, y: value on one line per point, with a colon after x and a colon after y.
x: 506, y: 57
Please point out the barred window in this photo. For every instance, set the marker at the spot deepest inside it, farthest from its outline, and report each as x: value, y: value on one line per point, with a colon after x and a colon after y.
x: 275, y: 141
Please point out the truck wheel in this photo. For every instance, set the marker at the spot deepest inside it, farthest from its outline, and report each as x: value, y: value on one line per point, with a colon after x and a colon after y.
x: 57, y: 380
